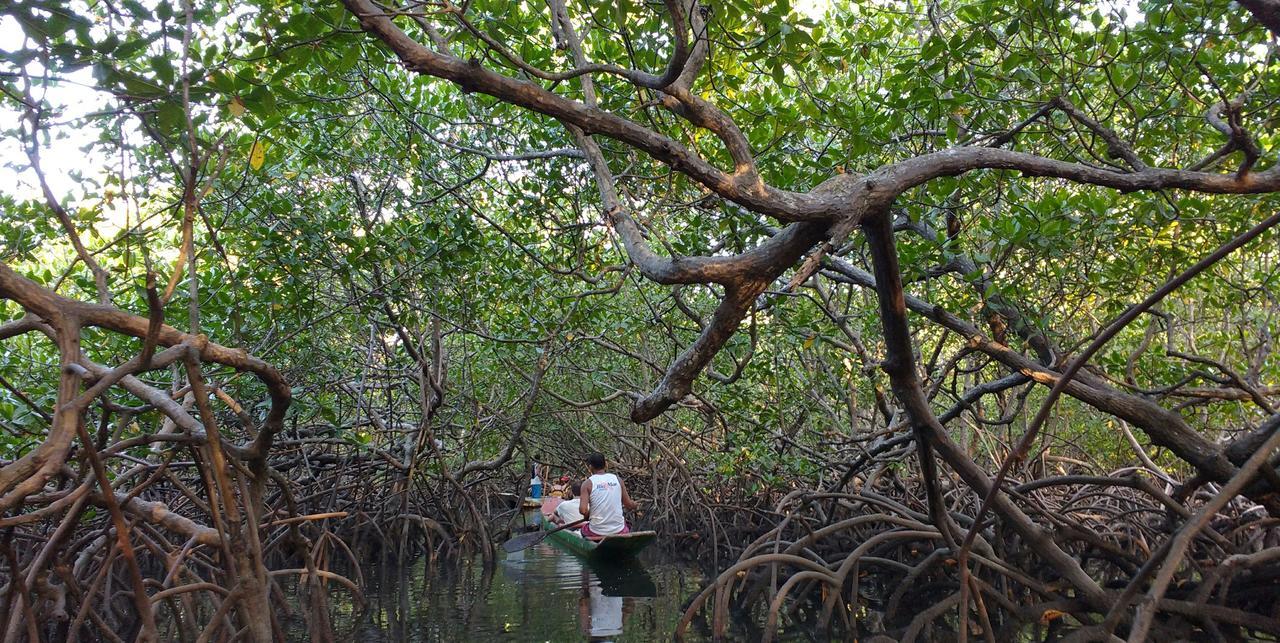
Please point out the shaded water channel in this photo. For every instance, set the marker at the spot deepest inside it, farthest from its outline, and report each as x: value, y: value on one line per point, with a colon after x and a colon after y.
x: 539, y: 594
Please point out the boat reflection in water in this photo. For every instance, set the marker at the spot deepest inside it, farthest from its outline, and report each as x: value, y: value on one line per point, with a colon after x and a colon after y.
x: 601, y: 616
x: 610, y: 592
x: 607, y: 594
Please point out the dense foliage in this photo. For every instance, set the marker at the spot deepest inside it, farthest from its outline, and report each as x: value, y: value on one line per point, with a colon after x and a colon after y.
x: 464, y: 247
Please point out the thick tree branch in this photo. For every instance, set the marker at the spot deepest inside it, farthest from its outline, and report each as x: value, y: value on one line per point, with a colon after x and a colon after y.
x: 1165, y: 428
x: 899, y: 177
x: 900, y: 365
x: 1266, y: 12
x: 50, y: 306
x: 470, y: 76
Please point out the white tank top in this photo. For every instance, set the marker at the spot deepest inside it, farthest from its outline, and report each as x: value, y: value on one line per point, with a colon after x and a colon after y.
x: 606, y: 504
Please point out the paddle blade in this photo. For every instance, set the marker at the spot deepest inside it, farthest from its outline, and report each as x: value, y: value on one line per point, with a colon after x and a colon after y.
x: 523, y: 541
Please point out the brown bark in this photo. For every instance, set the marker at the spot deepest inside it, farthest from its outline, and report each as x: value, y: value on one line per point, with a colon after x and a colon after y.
x: 900, y: 365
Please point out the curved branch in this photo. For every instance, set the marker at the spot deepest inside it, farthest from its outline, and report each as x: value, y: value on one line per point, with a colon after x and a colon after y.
x: 1165, y: 428
x: 766, y: 260
x: 900, y: 366
x: 878, y: 188
x: 49, y: 305
x: 470, y: 76
x: 746, y: 277
x: 678, y: 380
x: 896, y: 178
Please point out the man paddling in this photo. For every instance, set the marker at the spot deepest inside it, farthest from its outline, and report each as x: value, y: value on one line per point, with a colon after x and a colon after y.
x: 603, y: 496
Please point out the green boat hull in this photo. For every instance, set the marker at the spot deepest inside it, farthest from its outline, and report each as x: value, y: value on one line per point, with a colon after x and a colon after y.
x: 609, y: 549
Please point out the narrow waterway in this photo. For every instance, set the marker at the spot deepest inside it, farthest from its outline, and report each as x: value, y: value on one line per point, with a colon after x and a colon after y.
x: 539, y: 594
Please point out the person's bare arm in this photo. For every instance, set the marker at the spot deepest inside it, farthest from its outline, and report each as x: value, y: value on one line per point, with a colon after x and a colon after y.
x: 584, y: 499
x: 627, y: 502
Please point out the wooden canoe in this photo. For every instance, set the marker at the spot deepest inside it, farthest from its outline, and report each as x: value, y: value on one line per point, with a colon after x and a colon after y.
x: 608, y: 549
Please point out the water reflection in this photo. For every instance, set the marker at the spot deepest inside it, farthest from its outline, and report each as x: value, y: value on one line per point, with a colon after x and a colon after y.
x: 539, y: 594
x: 601, y: 616
x: 606, y: 594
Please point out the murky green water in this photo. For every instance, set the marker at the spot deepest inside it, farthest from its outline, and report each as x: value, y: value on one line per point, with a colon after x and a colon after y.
x: 539, y: 594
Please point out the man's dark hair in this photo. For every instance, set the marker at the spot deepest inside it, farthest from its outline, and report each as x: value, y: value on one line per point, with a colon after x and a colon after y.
x: 596, y: 460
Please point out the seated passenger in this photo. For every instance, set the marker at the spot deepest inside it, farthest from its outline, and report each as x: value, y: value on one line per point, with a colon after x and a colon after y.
x: 567, y: 512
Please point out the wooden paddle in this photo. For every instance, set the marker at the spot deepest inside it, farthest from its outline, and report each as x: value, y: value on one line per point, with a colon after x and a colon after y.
x: 525, y: 541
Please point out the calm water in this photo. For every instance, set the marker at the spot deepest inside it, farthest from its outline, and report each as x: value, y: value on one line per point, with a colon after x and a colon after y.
x: 539, y: 594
